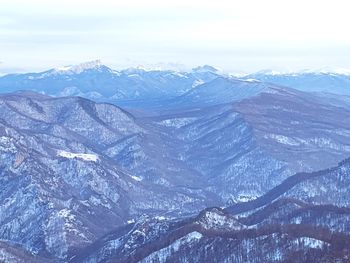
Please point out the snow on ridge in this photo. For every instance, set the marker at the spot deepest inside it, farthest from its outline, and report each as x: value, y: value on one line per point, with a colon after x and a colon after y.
x: 268, y: 72
x: 83, y: 156
x: 197, y: 83
x: 328, y: 70
x: 251, y: 80
x: 325, y: 70
x: 76, y: 69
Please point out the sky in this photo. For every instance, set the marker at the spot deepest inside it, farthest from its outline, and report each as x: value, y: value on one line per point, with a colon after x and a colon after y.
x: 235, y: 35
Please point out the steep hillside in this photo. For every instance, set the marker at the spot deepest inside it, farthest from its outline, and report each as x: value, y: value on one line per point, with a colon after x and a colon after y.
x: 57, y: 181
x: 307, y: 131
x: 297, y: 227
x: 65, y: 162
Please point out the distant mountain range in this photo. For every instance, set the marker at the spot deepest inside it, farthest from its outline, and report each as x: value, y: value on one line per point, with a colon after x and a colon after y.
x: 96, y: 81
x: 181, y: 167
x: 322, y: 81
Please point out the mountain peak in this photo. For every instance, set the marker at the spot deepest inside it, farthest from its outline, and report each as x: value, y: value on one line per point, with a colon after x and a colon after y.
x: 79, y: 68
x: 88, y: 65
x: 269, y: 72
x: 206, y: 68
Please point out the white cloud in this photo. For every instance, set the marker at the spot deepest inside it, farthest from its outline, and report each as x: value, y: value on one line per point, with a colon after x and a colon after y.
x: 185, y: 31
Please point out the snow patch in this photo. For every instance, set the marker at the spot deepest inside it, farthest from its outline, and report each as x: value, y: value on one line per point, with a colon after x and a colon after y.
x: 197, y: 83
x: 83, y: 156
x: 311, y: 242
x: 130, y: 221
x: 282, y: 139
x: 66, y: 213
x: 162, y: 254
x: 177, y: 122
x: 245, y: 197
x: 251, y: 80
x: 136, y: 178
x: 216, y: 219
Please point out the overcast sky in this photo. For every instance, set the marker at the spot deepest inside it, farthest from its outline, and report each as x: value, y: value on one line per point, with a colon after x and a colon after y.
x: 237, y: 36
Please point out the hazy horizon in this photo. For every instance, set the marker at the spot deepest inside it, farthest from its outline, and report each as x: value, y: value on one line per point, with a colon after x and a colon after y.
x: 238, y: 37
x: 180, y: 68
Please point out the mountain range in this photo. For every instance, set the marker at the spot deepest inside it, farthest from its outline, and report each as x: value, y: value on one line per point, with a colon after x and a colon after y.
x: 98, y: 165
x: 95, y: 81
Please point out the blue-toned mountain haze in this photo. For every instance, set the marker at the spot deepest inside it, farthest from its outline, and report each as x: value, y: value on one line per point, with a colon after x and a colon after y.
x: 196, y: 131
x: 104, y: 165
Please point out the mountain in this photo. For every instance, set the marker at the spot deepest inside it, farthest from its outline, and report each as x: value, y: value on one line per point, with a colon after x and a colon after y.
x: 95, y: 81
x: 219, y: 91
x: 336, y: 82
x: 67, y: 161
x: 205, y: 73
x: 297, y: 127
x: 297, y: 221
x: 195, y: 161
x: 59, y: 174
x: 155, y: 87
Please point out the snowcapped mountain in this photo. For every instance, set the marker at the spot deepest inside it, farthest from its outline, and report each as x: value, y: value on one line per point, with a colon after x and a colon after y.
x: 96, y: 81
x: 77, y: 69
x: 204, y: 85
x: 336, y: 81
